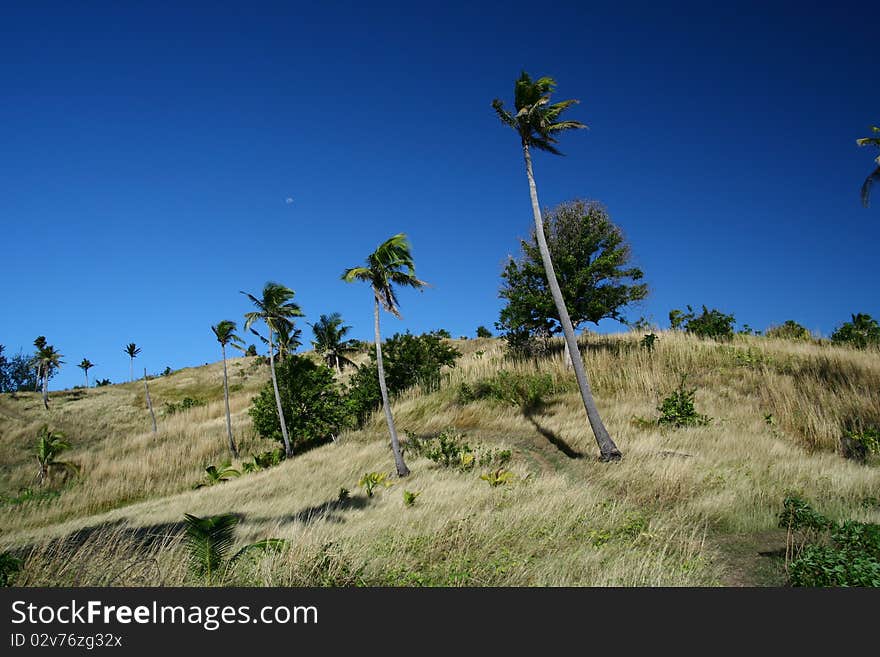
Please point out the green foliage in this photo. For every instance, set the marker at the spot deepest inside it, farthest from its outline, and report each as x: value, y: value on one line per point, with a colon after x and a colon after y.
x: 519, y: 389
x: 102, y: 382
x: 251, y: 350
x: 264, y: 460
x: 677, y: 410
x: 17, y: 373
x: 862, y: 332
x: 330, y: 341
x: 648, y: 341
x: 343, y: 495
x: 167, y: 371
x: 825, y: 566
x: 9, y: 567
x: 409, y: 497
x: 498, y: 477
x: 590, y: 258
x: 371, y: 480
x: 483, y: 332
x: 709, y: 324
x: 218, y: 474
x: 51, y: 444
x: 183, y: 405
x: 450, y: 449
x: 409, y: 360
x: 29, y: 495
x: 312, y: 402
x: 869, y: 437
x: 788, y: 330
x: 442, y: 333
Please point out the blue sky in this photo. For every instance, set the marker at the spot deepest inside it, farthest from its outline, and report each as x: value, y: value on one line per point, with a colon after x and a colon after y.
x: 148, y: 151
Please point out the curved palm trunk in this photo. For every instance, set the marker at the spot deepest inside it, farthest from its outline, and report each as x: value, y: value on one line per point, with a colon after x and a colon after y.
x: 288, y: 451
x: 402, y: 470
x: 226, y: 399
x: 607, y: 448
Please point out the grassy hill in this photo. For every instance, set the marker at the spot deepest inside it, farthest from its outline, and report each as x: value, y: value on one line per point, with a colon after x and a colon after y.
x: 692, y: 506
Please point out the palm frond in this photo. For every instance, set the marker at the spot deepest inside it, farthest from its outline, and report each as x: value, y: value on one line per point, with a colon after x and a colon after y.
x: 869, y: 182
x: 209, y: 540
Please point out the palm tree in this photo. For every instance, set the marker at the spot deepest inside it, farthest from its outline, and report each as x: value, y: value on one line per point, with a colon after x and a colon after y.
x: 85, y: 365
x: 49, y: 445
x: 276, y: 310
x: 132, y: 350
x: 390, y: 264
x: 49, y: 359
x: 875, y: 175
x: 330, y: 341
x: 537, y: 122
x: 225, y: 333
x: 40, y: 344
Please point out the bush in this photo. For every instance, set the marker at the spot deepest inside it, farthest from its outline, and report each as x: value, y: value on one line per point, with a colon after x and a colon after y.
x: 450, y: 449
x: 857, y: 444
x: 789, y: 330
x: 710, y: 324
x: 678, y: 410
x: 483, y: 332
x: 102, y: 382
x: 183, y: 405
x: 313, y: 405
x: 524, y: 390
x: 409, y: 360
x: 648, y: 341
x: 862, y: 332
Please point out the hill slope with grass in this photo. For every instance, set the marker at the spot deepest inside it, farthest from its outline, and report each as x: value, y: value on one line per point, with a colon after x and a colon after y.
x: 696, y: 505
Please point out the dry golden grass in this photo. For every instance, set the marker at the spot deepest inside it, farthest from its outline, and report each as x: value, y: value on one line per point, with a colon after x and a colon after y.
x: 662, y: 516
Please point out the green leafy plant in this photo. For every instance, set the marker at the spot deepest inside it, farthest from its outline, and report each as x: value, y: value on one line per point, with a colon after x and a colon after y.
x: 648, y: 341
x: 409, y: 497
x: 343, y: 495
x: 183, y: 405
x: 218, y: 474
x: 372, y: 480
x: 709, y: 324
x: 498, y: 477
x: 677, y: 410
x: 209, y: 540
x: 862, y: 332
x: 9, y: 567
x: 789, y: 330
x: 264, y: 460
x: 50, y: 444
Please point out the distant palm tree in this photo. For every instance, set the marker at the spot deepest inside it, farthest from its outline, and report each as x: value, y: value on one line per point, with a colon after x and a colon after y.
x: 276, y: 310
x: 132, y: 350
x: 40, y: 344
x: 49, y: 445
x: 536, y: 121
x: 85, y: 365
x: 287, y: 340
x: 225, y: 333
x: 875, y: 174
x: 389, y: 265
x: 330, y: 341
x: 49, y: 360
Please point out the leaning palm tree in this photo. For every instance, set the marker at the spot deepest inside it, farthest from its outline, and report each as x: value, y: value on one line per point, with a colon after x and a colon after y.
x: 389, y: 265
x: 85, y: 365
x: 225, y: 333
x: 49, y: 445
x: 40, y: 344
x: 537, y: 122
x: 276, y: 310
x: 50, y: 360
x: 875, y: 174
x: 132, y: 350
x: 330, y: 341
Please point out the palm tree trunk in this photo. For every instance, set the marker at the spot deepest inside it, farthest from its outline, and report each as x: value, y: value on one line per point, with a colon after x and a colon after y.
x: 567, y: 357
x: 86, y: 372
x: 402, y: 470
x: 607, y: 448
x: 149, y: 401
x: 39, y: 378
x: 46, y: 387
x: 287, y: 449
x: 226, y: 398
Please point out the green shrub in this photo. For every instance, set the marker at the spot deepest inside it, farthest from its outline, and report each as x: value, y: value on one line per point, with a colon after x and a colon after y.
x: 678, y: 410
x: 862, y: 332
x: 409, y: 497
x: 648, y: 341
x: 523, y: 390
x: 825, y: 566
x: 450, y: 449
x: 483, y: 332
x: 9, y: 567
x: 789, y: 330
x: 372, y: 480
x: 498, y: 477
x: 710, y: 324
x: 264, y: 460
x: 313, y: 405
x: 183, y: 405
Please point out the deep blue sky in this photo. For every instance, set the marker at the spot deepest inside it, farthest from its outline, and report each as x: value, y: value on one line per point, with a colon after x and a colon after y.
x: 147, y: 152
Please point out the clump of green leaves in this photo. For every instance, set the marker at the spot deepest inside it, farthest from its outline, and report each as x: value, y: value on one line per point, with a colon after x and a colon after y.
x: 209, y: 540
x: 517, y: 389
x: 372, y: 480
x: 450, y: 449
x: 709, y: 324
x: 498, y: 477
x: 264, y: 460
x: 678, y: 410
x: 409, y: 497
x: 862, y: 332
x: 856, y: 444
x: 218, y: 474
x: 183, y: 405
x: 9, y: 567
x: 29, y: 495
x: 648, y: 341
x: 789, y: 330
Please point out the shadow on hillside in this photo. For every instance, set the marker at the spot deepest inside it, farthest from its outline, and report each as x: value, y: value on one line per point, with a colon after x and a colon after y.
x: 529, y: 411
x: 329, y: 511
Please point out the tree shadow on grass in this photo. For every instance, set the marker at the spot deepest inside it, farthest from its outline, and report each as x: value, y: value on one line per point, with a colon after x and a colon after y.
x: 329, y: 511
x: 530, y: 411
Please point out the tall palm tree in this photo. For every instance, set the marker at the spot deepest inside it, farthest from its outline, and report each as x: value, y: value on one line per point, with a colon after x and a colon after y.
x: 132, y: 350
x: 50, y: 360
x: 330, y: 341
x: 875, y: 174
x: 276, y: 310
x: 537, y: 122
x: 225, y: 333
x: 40, y: 344
x: 389, y: 265
x: 85, y: 365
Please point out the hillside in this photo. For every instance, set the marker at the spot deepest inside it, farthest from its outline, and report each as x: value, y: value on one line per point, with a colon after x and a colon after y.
x: 691, y: 506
